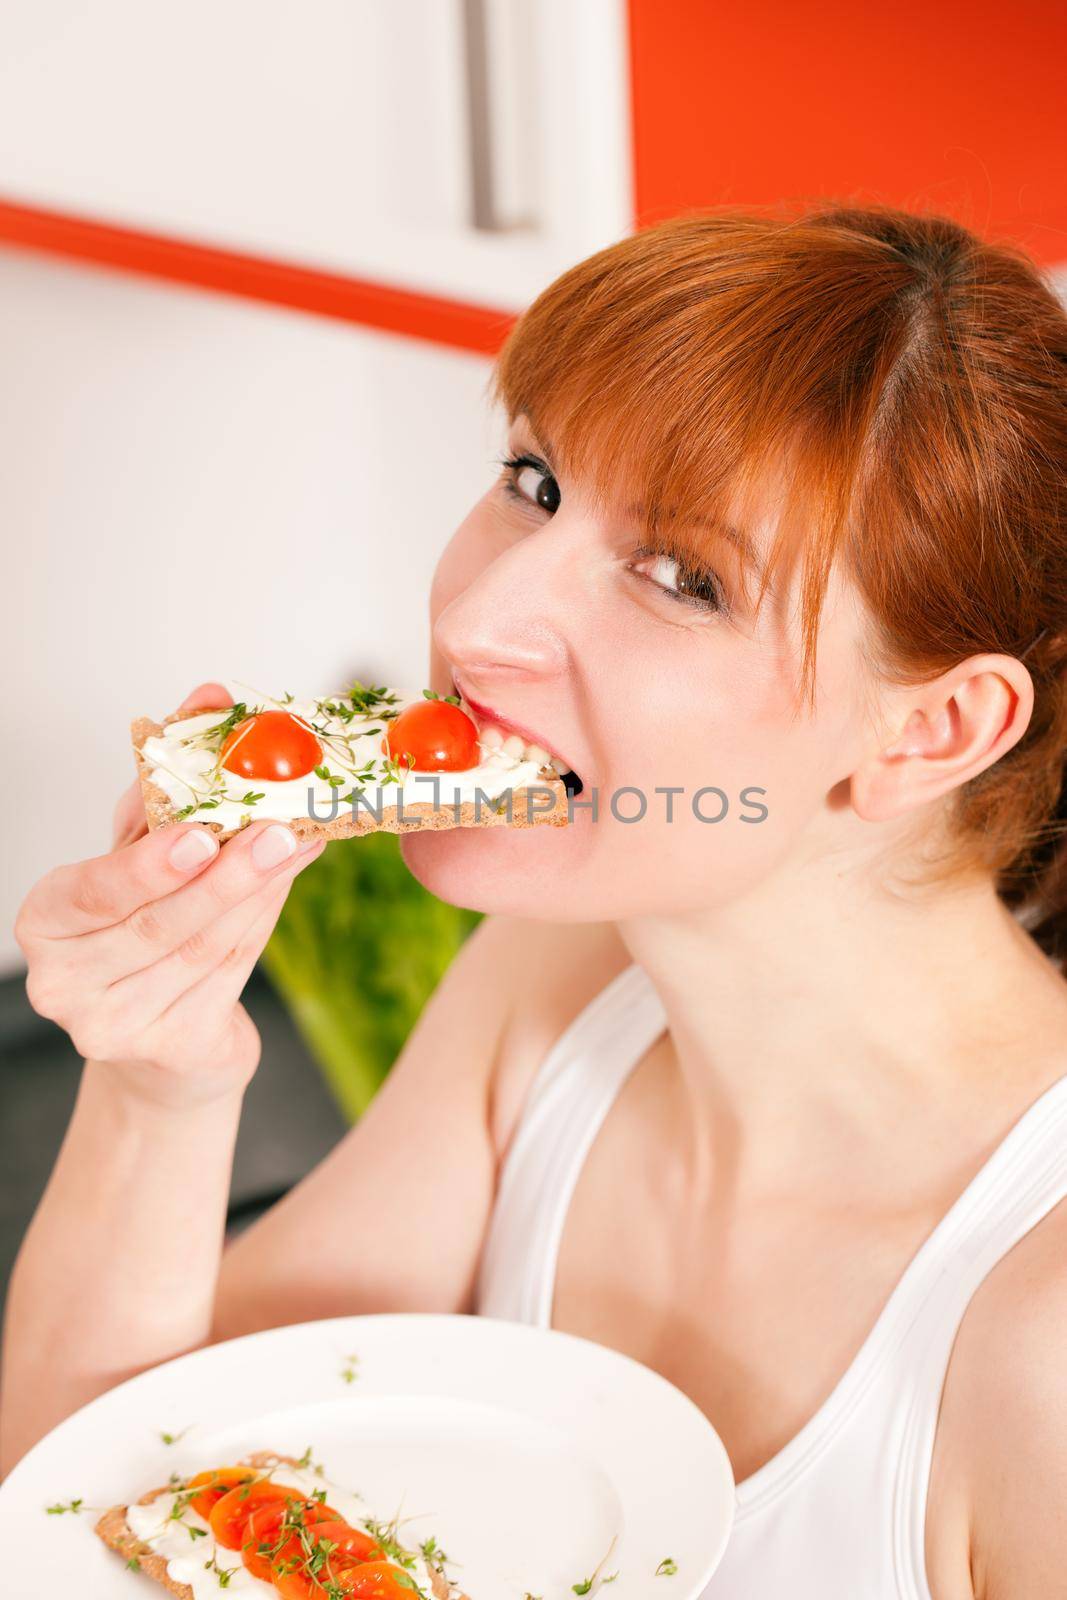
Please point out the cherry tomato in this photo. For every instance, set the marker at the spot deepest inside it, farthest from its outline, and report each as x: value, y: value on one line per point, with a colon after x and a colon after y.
x: 352, y: 1548
x: 264, y: 1527
x: 375, y: 1580
x: 350, y: 1542
x: 229, y: 1516
x: 440, y: 736
x: 293, y: 1581
x: 215, y: 1486
x: 273, y: 745
x: 296, y: 1585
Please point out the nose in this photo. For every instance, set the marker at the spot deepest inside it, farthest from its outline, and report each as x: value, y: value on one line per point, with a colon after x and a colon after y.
x: 509, y: 623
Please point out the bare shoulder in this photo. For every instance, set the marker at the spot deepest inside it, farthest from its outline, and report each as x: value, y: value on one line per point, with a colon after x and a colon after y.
x: 999, y: 1483
x: 551, y: 971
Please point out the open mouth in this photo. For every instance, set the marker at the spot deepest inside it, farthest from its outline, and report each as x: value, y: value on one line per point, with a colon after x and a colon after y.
x: 500, y: 734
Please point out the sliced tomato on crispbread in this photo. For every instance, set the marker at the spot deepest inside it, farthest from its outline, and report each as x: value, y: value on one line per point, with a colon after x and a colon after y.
x: 295, y: 1545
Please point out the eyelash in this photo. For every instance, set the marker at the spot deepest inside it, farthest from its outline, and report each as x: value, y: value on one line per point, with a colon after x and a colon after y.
x: 716, y: 602
x: 514, y: 464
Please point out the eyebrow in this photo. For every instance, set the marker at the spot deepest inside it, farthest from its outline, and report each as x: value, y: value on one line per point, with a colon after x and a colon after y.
x: 545, y: 446
x: 745, y: 546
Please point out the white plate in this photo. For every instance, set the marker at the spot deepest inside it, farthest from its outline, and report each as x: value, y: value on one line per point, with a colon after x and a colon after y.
x: 523, y: 1451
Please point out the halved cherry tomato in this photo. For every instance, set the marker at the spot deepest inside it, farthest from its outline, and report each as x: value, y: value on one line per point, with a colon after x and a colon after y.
x: 376, y: 1580
x: 440, y: 736
x: 229, y: 1516
x: 264, y: 1529
x: 216, y: 1485
x: 271, y: 744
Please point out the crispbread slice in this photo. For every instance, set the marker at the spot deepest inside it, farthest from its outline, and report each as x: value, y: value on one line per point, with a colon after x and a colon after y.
x: 115, y: 1532
x: 418, y: 816
x: 117, y: 1535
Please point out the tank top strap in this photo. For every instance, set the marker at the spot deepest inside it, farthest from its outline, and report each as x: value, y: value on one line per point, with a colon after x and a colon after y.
x: 566, y: 1103
x: 891, y: 1392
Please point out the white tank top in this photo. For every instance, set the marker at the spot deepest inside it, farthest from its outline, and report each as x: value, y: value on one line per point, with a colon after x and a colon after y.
x: 839, y: 1513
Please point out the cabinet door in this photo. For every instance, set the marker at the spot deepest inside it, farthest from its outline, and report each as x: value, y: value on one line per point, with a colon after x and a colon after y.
x: 467, y: 148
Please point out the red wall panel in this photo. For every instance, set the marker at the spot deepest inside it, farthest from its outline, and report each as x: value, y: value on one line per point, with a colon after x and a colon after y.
x: 945, y: 106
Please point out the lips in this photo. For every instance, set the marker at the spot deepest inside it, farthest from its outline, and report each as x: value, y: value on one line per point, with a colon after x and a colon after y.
x: 487, y: 717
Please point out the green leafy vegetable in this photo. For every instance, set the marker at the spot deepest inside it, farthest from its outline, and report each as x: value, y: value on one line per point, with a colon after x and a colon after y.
x: 358, y: 950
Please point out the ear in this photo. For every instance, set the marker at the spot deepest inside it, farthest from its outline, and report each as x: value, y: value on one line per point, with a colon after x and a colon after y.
x: 956, y: 726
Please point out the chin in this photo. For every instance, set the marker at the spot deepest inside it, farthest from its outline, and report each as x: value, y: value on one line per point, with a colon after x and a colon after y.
x: 519, y: 872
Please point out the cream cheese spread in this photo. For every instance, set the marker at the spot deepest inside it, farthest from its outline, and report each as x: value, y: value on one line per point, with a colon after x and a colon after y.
x: 354, y: 777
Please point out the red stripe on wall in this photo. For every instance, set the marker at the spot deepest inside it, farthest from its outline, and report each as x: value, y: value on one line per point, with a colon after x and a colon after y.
x: 955, y: 107
x: 356, y: 300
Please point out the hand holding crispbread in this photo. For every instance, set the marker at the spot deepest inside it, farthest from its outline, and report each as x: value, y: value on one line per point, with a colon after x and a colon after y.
x: 142, y: 954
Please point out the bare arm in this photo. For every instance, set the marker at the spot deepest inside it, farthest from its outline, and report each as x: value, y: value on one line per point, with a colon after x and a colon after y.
x: 117, y: 1270
x: 997, y: 1514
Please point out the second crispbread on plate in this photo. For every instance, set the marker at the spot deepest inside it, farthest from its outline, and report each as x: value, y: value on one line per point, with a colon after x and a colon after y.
x: 114, y: 1529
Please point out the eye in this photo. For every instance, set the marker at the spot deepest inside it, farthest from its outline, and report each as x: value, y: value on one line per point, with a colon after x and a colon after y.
x: 530, y: 481
x: 682, y: 583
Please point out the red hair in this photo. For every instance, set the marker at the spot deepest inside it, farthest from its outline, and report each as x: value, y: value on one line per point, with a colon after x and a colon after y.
x: 914, y: 378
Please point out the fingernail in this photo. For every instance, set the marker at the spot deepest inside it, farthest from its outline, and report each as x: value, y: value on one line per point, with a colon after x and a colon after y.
x: 193, y: 849
x: 275, y: 845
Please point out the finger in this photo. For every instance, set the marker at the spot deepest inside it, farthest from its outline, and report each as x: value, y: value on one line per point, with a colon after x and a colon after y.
x: 85, y: 896
x: 143, y: 996
x: 152, y: 930
x: 206, y: 697
x: 199, y: 1009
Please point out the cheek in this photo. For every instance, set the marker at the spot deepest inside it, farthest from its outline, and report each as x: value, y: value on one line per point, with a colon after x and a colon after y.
x: 471, y: 549
x: 745, y: 780
x: 476, y: 542
x: 681, y: 723
x: 457, y: 567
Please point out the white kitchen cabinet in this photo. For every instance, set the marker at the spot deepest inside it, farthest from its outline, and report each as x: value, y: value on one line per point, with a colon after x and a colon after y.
x: 464, y: 148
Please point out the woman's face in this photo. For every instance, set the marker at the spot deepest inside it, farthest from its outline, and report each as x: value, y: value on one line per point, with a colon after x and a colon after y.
x: 641, y: 676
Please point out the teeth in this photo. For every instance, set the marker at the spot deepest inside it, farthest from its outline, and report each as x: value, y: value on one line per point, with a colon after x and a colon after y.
x: 492, y: 739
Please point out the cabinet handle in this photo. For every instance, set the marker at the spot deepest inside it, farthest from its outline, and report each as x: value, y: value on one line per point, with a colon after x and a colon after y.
x: 501, y: 114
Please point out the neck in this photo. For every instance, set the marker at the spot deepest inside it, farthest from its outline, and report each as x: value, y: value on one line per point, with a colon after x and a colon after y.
x: 803, y: 1007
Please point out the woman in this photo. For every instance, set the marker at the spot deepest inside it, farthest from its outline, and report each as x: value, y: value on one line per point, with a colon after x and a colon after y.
x: 775, y: 1103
